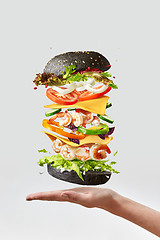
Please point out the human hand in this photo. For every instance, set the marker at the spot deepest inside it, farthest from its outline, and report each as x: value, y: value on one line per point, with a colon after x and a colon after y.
x: 108, y: 200
x: 86, y: 196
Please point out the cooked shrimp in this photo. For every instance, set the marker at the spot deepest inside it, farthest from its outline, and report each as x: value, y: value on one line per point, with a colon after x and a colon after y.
x: 95, y: 121
x: 62, y: 122
x: 57, y: 145
x: 77, y: 118
x: 67, y: 152
x: 82, y: 154
x: 88, y: 116
x: 98, y: 151
x: 87, y: 145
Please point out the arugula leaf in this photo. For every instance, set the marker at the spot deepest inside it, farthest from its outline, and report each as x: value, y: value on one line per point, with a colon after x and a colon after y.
x: 114, y: 86
x: 106, y: 74
x: 112, y: 163
x: 42, y: 150
x: 77, y: 78
x: 71, y: 69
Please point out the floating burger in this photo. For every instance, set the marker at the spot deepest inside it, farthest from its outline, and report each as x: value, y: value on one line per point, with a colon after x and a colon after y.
x: 78, y: 84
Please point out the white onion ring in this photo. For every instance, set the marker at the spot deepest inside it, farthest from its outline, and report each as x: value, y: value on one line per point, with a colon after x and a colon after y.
x: 81, y: 86
x: 99, y: 90
x: 62, y: 91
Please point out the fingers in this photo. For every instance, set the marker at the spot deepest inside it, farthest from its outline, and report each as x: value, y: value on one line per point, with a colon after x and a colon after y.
x: 48, y: 196
x: 73, y: 196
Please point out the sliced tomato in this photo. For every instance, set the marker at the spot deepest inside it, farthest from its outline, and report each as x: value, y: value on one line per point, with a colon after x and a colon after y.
x: 86, y: 95
x: 67, y: 99
x: 90, y: 70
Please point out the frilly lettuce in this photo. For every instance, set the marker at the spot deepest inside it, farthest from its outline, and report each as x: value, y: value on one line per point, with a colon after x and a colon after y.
x: 57, y: 161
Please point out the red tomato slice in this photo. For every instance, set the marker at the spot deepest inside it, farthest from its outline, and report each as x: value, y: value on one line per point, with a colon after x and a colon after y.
x: 90, y: 70
x: 86, y: 95
x: 67, y: 99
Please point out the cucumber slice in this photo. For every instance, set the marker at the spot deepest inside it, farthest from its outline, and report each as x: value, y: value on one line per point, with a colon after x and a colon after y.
x: 71, y: 109
x: 109, y: 105
x: 105, y: 118
x: 52, y: 112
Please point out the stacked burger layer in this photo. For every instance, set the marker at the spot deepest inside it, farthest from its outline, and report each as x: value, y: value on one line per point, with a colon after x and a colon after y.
x: 77, y: 84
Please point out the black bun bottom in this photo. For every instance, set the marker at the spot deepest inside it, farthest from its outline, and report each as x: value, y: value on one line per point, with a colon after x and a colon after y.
x: 90, y: 177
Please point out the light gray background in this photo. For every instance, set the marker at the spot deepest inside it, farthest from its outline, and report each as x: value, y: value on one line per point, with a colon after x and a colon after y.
x: 32, y: 32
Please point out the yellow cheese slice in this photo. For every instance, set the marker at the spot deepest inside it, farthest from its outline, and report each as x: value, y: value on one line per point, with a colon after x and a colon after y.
x: 87, y: 139
x: 97, y: 105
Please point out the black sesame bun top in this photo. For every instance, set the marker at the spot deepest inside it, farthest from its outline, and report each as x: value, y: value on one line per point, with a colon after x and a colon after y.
x: 81, y: 59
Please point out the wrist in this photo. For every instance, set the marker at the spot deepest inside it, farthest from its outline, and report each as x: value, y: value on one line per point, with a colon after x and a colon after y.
x: 113, y: 203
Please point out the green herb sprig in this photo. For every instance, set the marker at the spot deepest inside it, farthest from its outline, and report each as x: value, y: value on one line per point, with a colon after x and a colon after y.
x: 71, y: 69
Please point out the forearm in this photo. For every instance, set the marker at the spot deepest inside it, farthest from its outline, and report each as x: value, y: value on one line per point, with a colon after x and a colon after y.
x: 139, y: 214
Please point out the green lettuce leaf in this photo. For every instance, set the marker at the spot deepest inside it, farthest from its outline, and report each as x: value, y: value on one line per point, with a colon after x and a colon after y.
x: 42, y: 150
x: 57, y: 161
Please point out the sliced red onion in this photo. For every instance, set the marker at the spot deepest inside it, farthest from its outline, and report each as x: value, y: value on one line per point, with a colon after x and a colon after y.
x: 102, y: 136
x: 72, y: 127
x: 74, y: 140
x: 111, y: 130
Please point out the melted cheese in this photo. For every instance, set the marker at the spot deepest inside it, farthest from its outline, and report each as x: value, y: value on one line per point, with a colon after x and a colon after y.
x: 97, y: 106
x: 87, y: 139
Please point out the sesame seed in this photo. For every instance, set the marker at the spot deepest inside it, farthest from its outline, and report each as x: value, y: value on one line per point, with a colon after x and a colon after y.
x: 92, y: 63
x: 91, y: 58
x: 99, y: 56
x: 83, y: 61
x: 95, y: 60
x: 75, y: 61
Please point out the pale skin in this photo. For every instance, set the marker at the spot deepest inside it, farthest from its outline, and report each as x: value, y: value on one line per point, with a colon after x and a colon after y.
x: 108, y: 200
